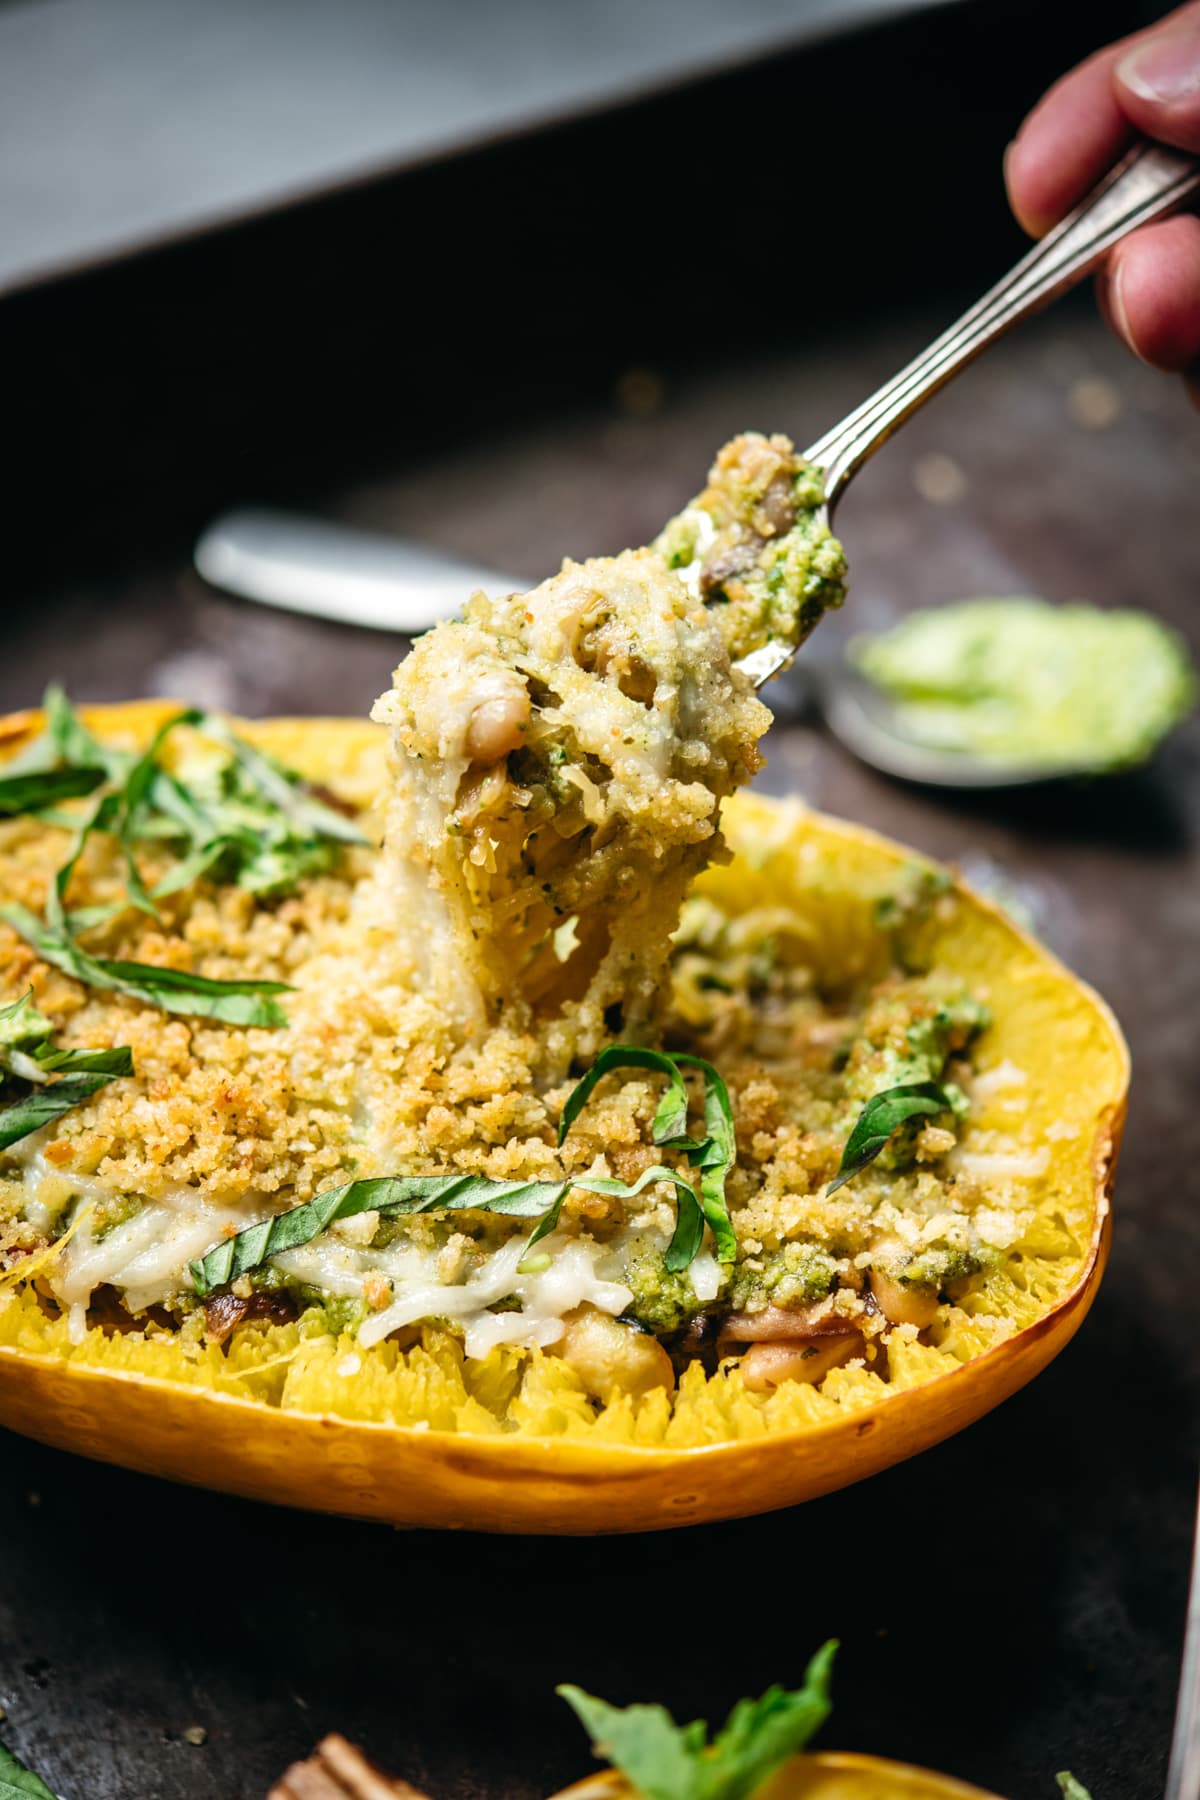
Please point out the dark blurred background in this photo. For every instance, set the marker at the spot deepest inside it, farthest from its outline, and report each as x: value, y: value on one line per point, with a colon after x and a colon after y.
x: 528, y: 340
x: 368, y: 334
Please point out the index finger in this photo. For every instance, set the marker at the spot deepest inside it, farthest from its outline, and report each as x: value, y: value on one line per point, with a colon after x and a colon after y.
x: 1072, y: 137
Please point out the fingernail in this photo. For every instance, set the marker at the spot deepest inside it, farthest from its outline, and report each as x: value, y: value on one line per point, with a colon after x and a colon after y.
x: 1165, y: 69
x: 1115, y: 293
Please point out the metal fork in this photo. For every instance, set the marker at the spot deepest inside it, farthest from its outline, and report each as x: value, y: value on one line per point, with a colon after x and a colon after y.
x: 1147, y: 183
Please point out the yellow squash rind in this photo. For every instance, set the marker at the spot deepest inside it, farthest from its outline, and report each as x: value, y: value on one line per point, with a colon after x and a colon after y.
x: 832, y: 1775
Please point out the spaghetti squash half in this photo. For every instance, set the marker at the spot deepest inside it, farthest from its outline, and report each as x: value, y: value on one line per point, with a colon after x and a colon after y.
x: 422, y: 1361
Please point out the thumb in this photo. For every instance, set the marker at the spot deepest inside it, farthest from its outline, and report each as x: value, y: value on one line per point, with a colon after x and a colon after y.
x: 1158, y: 83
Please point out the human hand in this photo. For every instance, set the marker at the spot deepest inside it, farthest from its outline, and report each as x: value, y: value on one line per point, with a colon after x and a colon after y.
x: 1149, y: 286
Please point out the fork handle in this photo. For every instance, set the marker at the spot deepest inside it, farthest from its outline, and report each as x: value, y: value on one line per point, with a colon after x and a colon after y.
x: 1148, y: 182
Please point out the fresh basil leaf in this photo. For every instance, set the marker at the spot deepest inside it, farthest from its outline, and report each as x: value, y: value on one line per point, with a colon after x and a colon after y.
x: 883, y: 1114
x: 31, y: 792
x: 19, y: 1783
x: 29, y: 1055
x: 398, y: 1195
x: 264, y: 833
x: 101, y: 818
x: 18, y: 1118
x: 108, y: 1063
x: 266, y: 837
x: 64, y: 762
x: 141, y: 780
x: 713, y: 1155
x: 198, y: 996
x: 175, y: 990
x: 671, y: 1117
x: 760, y: 1735
x: 391, y: 1195
x: 310, y: 815
x: 53, y: 946
x: 688, y: 1235
x: 72, y: 741
x: 644, y: 1742
x: 1070, y: 1788
x: 665, y: 1761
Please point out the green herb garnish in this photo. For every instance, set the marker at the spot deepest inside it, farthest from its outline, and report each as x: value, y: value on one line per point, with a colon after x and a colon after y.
x: 713, y: 1155
x: 38, y: 1082
x: 666, y: 1761
x: 247, y: 820
x: 395, y: 1196
x: 32, y: 792
x: 175, y: 990
x: 882, y: 1115
x: 19, y: 1783
x: 1070, y: 1788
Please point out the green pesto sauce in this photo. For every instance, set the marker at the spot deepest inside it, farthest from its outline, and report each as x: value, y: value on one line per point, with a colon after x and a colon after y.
x: 789, y: 1276
x: 940, y: 1264
x: 1072, y: 686
x: 662, y: 1301
x: 898, y: 1047
x: 776, y: 587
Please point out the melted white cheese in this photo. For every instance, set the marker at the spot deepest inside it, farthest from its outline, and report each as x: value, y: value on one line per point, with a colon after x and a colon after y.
x: 146, y: 1259
x: 546, y: 1294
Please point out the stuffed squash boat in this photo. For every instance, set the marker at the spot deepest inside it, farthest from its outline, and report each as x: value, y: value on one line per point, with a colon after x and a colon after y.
x: 605, y: 1151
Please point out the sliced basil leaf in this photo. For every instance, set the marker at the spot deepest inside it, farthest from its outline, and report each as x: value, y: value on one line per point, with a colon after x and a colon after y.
x: 28, y: 1054
x: 108, y: 1063
x: 713, y: 1155
x: 397, y: 1195
x: 178, y: 991
x: 101, y: 818
x: 42, y: 1104
x: 671, y: 1117
x: 394, y: 1196
x: 391, y: 1195
x: 30, y: 793
x: 73, y: 742
x: 266, y: 834
x: 883, y: 1114
x: 688, y: 1235
x: 310, y: 816
x: 175, y: 990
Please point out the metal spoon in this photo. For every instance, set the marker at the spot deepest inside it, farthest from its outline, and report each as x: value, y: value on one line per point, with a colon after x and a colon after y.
x: 329, y: 570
